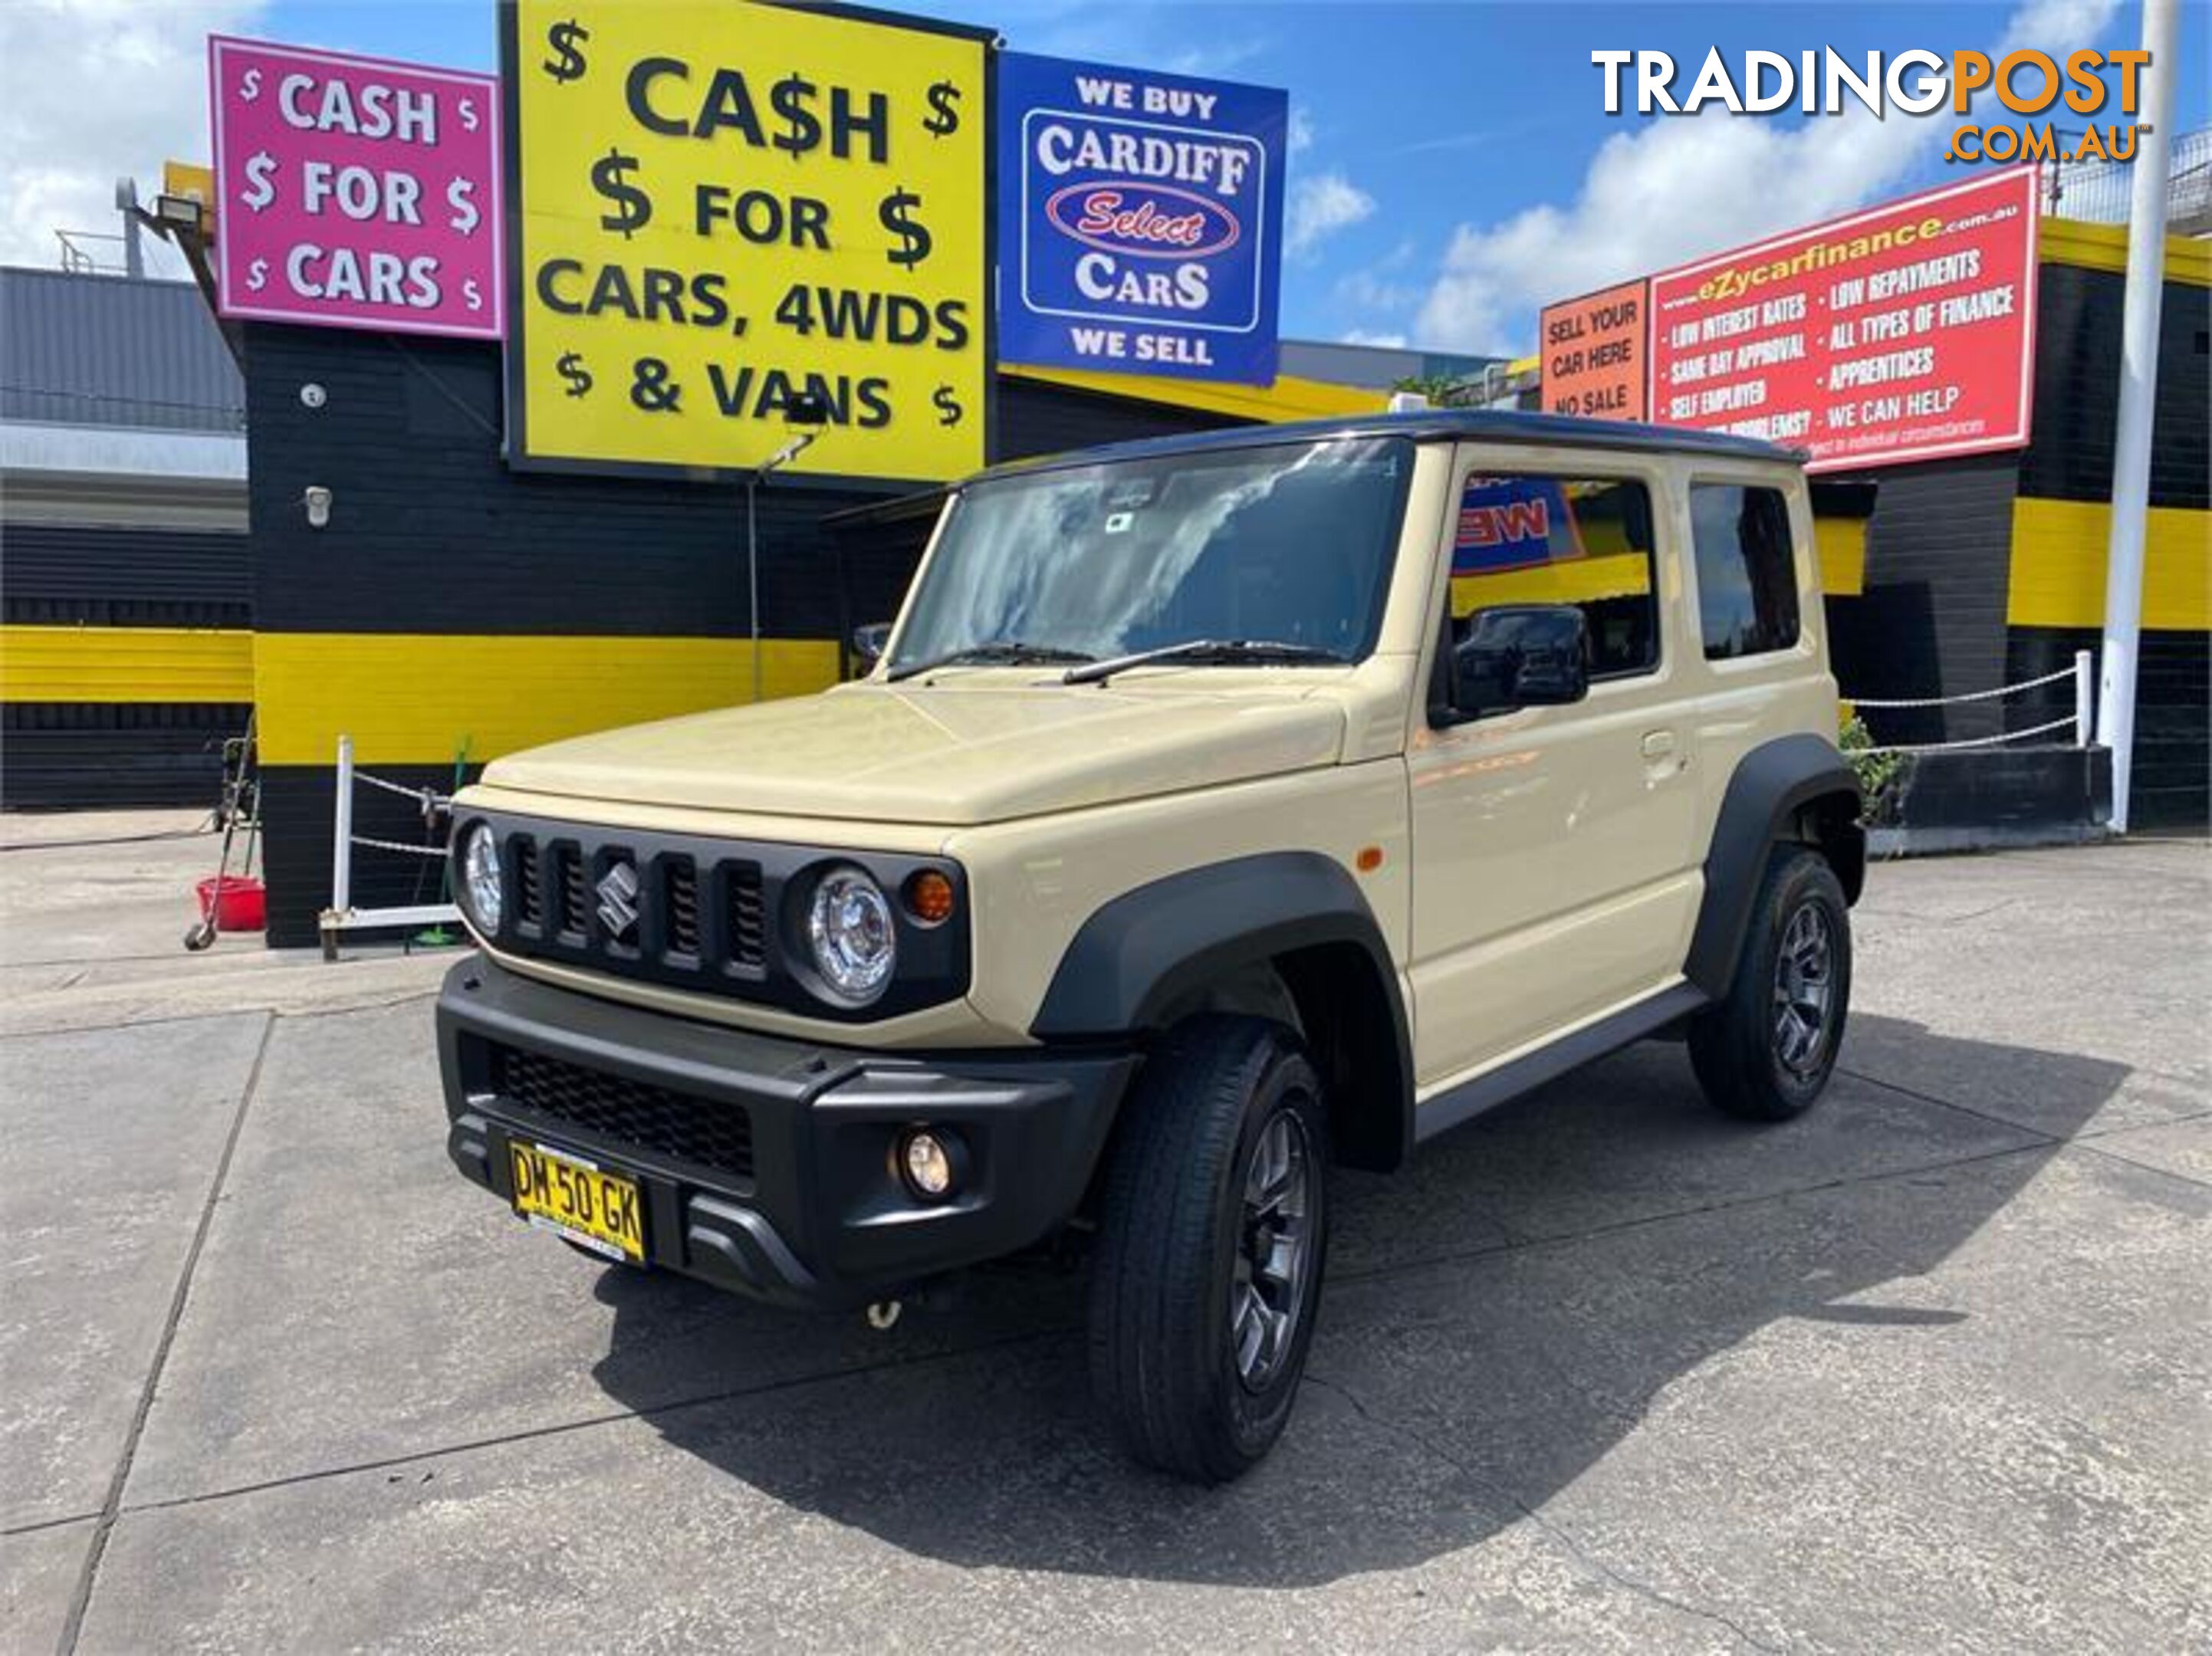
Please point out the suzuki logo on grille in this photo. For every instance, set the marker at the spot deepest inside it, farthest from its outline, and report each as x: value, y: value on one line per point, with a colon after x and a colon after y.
x: 618, y: 889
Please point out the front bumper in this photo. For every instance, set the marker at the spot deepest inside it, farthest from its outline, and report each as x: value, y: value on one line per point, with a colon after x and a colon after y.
x: 767, y: 1165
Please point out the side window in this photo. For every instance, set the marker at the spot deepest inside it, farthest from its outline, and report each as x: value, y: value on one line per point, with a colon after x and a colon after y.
x: 1526, y: 538
x: 1747, y: 574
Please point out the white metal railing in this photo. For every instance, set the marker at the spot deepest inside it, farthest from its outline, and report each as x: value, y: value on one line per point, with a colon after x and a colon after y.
x: 2082, y: 724
x: 342, y: 916
x: 2098, y: 192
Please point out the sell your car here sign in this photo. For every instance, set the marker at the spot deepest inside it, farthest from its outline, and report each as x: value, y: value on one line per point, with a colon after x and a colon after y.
x: 355, y: 192
x: 1140, y: 220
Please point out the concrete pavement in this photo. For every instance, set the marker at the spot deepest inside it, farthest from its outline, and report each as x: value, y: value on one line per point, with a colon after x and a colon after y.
x: 1603, y: 1370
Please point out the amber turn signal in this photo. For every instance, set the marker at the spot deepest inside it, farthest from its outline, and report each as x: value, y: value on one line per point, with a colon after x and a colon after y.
x: 929, y: 897
x: 1369, y: 859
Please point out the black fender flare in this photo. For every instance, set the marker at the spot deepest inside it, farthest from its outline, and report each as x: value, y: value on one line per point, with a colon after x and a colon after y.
x: 1765, y: 797
x: 1158, y: 944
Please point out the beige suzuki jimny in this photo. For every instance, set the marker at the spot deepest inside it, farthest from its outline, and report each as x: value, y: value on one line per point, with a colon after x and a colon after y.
x: 1221, y: 810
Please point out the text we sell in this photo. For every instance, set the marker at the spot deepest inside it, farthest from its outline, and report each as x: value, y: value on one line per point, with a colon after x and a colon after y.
x: 1128, y: 345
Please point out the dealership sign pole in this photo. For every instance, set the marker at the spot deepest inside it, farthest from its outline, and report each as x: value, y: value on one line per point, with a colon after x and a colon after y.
x: 2123, y: 572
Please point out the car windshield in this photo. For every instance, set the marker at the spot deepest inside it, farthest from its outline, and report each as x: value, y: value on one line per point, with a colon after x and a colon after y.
x: 1286, y: 545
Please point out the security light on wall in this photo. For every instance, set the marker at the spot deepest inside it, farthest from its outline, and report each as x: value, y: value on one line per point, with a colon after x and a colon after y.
x: 808, y: 412
x: 180, y: 213
x: 318, y: 502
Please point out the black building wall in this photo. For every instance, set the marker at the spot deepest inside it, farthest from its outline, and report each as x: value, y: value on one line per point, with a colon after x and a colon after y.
x: 1930, y: 620
x: 2079, y: 315
x: 122, y: 609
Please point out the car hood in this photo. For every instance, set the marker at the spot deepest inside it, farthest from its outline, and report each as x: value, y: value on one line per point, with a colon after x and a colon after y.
x: 956, y: 756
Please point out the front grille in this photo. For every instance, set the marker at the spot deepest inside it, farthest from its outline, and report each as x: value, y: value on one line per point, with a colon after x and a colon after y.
x: 696, y: 920
x: 529, y: 898
x: 570, y: 915
x: 621, y: 1112
x: 748, y: 925
x: 683, y: 906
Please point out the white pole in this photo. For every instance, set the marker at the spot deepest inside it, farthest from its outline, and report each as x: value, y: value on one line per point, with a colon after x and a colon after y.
x: 342, y: 832
x: 2085, y: 726
x: 2123, y: 571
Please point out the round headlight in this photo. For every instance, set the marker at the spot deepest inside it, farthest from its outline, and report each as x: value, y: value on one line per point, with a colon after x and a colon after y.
x: 480, y: 877
x: 855, y: 943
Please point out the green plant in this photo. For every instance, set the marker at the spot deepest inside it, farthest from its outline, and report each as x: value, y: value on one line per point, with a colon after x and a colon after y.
x: 1443, y: 390
x: 1880, y: 773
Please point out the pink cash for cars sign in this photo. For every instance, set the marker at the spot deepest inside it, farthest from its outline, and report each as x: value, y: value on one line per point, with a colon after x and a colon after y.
x: 356, y: 193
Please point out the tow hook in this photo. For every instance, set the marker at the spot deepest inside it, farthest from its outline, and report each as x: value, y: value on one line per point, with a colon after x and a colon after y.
x: 884, y: 1314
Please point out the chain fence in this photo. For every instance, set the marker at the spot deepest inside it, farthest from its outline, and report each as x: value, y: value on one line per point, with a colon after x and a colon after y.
x: 2081, y: 724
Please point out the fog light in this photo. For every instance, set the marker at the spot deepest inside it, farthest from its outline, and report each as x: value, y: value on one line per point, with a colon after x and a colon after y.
x: 930, y: 1162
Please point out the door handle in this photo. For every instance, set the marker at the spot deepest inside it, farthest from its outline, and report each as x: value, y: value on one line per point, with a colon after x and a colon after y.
x: 1658, y: 744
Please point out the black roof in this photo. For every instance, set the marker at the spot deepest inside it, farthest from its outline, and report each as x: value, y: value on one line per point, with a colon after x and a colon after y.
x: 1429, y: 424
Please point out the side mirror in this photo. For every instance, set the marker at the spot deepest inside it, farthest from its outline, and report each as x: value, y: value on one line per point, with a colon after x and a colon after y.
x: 869, y: 643
x: 1533, y: 655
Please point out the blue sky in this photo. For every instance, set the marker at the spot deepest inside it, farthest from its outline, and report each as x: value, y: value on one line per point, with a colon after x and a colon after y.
x: 1454, y: 166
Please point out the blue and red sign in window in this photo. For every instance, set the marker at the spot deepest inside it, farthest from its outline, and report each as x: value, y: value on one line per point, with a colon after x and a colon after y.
x: 1141, y: 215
x: 1513, y: 523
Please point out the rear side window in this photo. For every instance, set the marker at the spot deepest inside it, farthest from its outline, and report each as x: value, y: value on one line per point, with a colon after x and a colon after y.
x: 1529, y: 538
x: 1746, y: 572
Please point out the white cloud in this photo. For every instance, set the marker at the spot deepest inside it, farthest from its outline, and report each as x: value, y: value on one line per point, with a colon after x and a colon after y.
x: 1370, y: 290
x: 1302, y: 130
x: 1216, y: 57
x: 91, y: 91
x: 1396, y: 341
x: 2048, y: 23
x: 1689, y: 184
x: 1320, y: 206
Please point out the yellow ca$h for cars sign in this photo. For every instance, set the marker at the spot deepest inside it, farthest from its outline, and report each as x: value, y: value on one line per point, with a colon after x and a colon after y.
x: 720, y: 209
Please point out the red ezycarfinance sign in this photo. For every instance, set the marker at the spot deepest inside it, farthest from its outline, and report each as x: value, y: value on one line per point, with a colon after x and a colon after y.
x: 1904, y: 332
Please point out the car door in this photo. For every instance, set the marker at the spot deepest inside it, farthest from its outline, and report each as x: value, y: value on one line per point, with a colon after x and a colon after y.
x: 1756, y: 616
x: 1555, y: 873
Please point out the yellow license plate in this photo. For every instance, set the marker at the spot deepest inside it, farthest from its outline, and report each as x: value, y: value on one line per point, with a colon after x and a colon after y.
x: 605, y: 1211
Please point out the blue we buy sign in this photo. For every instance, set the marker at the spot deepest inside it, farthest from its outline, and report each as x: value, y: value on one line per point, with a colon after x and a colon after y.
x: 1140, y: 220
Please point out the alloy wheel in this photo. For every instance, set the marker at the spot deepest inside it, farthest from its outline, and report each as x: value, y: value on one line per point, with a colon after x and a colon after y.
x: 1804, y: 990
x: 1267, y: 1288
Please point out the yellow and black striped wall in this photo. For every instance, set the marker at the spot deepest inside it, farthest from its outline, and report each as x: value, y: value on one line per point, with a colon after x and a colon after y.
x: 126, y: 661
x: 2062, y: 517
x: 452, y: 610
x: 1987, y: 571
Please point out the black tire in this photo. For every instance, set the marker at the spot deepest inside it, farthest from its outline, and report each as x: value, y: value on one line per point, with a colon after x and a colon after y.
x: 1766, y: 1051
x: 1173, y: 1286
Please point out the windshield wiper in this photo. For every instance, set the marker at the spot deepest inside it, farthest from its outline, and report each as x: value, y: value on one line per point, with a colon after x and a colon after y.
x: 1006, y: 653
x: 1235, y: 651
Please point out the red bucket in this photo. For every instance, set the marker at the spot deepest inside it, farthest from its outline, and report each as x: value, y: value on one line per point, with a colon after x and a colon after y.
x: 236, y: 902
